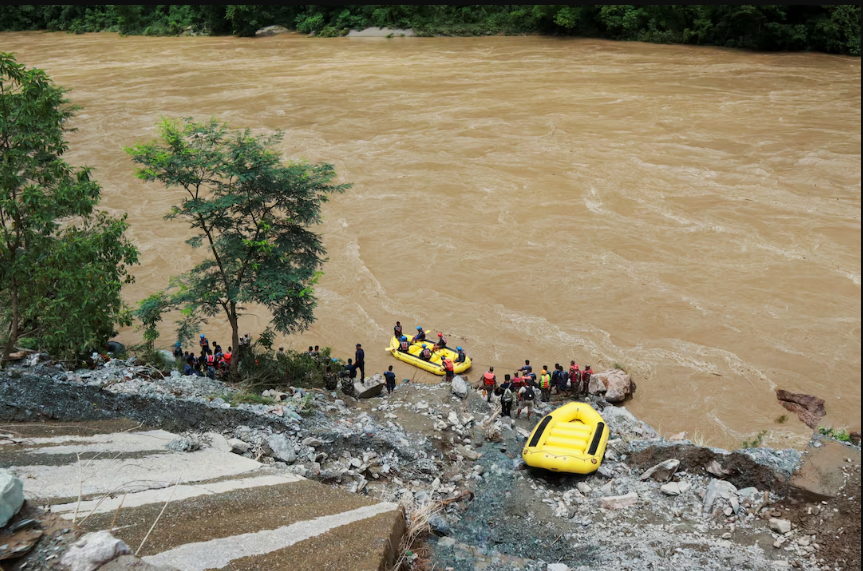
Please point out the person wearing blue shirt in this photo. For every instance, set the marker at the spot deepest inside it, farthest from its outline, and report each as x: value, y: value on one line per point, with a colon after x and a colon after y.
x: 391, y: 380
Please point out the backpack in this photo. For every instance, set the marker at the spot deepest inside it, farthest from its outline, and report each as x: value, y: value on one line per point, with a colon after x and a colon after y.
x: 507, y: 396
x: 528, y: 394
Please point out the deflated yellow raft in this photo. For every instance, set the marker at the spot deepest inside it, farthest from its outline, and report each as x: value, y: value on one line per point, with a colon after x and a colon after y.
x: 434, y: 365
x: 569, y: 439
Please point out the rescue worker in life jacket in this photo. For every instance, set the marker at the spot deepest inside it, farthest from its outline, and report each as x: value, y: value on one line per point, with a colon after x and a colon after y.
x: 448, y: 367
x: 461, y: 355
x: 404, y: 345
x: 489, y: 382
x: 397, y: 330
x: 420, y: 336
x: 441, y: 341
x: 545, y: 384
x: 425, y: 354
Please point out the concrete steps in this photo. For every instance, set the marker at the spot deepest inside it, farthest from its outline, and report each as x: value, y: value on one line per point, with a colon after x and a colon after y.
x: 221, y: 511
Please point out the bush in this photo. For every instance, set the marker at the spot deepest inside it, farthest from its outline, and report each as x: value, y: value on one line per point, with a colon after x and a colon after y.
x: 756, y: 441
x: 261, y: 368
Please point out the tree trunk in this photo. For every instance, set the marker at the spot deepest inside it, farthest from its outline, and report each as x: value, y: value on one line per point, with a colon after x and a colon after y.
x: 13, y: 331
x: 235, y: 338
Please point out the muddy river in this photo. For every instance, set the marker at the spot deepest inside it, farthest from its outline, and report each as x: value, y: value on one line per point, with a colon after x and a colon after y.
x: 690, y: 213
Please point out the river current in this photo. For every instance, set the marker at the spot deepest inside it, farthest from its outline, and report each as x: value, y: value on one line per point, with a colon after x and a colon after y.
x: 690, y: 213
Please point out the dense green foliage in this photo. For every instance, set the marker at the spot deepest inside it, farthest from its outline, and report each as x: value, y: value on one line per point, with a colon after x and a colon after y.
x: 831, y: 28
x: 61, y: 265
x: 250, y: 211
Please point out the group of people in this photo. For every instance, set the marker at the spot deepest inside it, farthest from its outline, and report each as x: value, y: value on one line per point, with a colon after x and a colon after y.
x: 211, y: 361
x: 426, y: 353
x: 521, y: 388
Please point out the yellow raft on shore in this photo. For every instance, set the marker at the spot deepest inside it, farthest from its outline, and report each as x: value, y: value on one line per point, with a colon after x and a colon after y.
x: 434, y: 365
x: 569, y: 439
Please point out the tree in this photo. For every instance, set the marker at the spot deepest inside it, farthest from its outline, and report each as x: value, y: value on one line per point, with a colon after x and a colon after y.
x: 252, y: 213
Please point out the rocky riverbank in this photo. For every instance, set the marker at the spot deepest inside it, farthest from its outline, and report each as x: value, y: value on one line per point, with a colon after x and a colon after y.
x: 444, y: 452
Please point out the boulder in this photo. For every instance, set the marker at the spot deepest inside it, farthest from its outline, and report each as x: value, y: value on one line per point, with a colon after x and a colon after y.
x: 718, y: 489
x: 238, y: 446
x: 808, y: 409
x: 584, y: 488
x: 716, y: 469
x: 615, y: 383
x: 282, y: 447
x: 670, y: 489
x: 439, y: 525
x: 750, y: 494
x: 619, y: 502
x: 271, y: 31
x: 372, y: 387
x: 94, y: 550
x: 11, y: 496
x: 459, y: 387
x: 663, y: 471
x: 782, y: 526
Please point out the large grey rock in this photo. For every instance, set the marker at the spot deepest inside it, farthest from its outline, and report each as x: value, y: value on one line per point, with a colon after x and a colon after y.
x: 718, y: 489
x: 282, y: 447
x: 459, y: 387
x: 615, y: 383
x: 782, y: 526
x: 11, y: 496
x: 663, y: 471
x: 238, y: 446
x: 94, y: 550
x: 372, y: 387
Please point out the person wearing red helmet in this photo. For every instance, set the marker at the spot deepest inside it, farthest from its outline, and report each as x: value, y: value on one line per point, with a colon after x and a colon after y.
x: 441, y: 341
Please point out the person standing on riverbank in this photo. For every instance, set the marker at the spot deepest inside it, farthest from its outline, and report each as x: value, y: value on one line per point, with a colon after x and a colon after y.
x: 448, y: 368
x: 506, y: 397
x: 545, y: 384
x: 360, y: 362
x: 489, y: 382
x: 390, y: 378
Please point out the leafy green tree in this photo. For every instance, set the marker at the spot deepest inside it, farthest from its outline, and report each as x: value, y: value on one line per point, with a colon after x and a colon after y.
x: 57, y: 278
x: 250, y: 211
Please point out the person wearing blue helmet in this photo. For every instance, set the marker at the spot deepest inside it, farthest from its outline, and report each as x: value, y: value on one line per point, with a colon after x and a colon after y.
x: 425, y: 354
x: 420, y: 336
x: 404, y: 345
x: 205, y: 345
x: 461, y: 356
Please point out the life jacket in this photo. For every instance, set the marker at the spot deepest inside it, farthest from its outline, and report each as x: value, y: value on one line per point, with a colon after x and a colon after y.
x: 210, y: 360
x: 519, y: 382
x: 544, y: 381
x: 227, y: 357
x: 426, y: 354
x: 528, y: 394
x: 398, y: 331
x: 404, y: 346
x: 204, y: 342
x: 447, y: 365
x: 488, y: 378
x: 462, y: 357
x: 442, y: 341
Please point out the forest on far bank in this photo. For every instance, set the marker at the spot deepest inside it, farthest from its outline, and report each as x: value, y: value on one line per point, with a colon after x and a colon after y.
x: 829, y: 28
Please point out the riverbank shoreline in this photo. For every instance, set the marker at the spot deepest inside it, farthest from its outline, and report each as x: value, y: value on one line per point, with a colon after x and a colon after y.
x: 425, y: 446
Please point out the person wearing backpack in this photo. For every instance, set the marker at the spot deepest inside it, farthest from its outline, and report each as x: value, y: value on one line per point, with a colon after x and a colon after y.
x: 507, y: 397
x: 526, y: 398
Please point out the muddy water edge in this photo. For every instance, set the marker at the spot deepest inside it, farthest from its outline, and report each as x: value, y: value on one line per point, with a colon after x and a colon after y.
x: 690, y: 213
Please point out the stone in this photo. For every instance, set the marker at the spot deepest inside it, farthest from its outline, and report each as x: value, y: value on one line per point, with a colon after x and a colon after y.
x: 557, y: 567
x: 94, y: 550
x: 373, y: 387
x: 750, y: 494
x: 238, y: 446
x: 313, y: 442
x: 618, y: 385
x: 584, y: 488
x: 663, y: 471
x: 446, y: 542
x: 782, y: 526
x: 619, y: 502
x: 467, y: 452
x: 459, y: 387
x: 439, y: 525
x: 670, y: 489
x: 808, y: 408
x: 716, y: 469
x: 282, y: 447
x: 596, y: 386
x: 132, y: 563
x: 718, y: 489
x: 11, y: 496
x: 271, y: 31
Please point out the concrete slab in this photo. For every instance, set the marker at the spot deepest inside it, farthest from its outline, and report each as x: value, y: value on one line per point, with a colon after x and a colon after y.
x: 209, y: 509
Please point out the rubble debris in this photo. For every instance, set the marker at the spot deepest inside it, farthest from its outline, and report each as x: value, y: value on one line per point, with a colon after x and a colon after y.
x: 94, y: 550
x: 809, y: 409
x: 11, y: 496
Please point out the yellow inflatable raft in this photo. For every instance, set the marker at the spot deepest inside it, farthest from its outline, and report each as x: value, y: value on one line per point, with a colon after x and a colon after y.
x: 569, y: 439
x: 434, y: 365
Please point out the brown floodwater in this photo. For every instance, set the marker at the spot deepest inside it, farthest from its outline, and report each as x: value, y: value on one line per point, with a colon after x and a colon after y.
x: 690, y: 213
